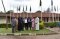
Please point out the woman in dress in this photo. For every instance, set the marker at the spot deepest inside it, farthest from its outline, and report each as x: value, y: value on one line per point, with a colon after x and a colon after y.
x: 33, y: 23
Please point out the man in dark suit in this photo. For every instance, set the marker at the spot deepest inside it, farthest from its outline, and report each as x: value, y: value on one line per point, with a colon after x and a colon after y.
x: 20, y: 24
x: 29, y: 22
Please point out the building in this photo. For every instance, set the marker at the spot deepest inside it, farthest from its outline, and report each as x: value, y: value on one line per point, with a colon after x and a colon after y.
x: 46, y: 17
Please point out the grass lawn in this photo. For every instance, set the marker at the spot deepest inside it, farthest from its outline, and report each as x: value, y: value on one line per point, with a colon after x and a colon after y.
x: 4, y: 30
x: 42, y: 31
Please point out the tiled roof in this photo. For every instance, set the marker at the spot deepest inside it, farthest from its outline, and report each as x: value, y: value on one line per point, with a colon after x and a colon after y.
x: 25, y: 14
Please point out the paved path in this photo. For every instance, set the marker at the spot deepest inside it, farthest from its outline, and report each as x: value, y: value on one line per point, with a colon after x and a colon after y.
x: 55, y: 29
x: 57, y: 36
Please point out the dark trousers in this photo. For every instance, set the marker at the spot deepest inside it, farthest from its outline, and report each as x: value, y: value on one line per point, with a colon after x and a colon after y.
x: 29, y: 25
x: 26, y: 26
x: 20, y: 26
x: 13, y: 29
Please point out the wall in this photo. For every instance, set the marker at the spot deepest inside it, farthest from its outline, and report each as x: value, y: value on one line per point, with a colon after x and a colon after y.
x: 2, y: 20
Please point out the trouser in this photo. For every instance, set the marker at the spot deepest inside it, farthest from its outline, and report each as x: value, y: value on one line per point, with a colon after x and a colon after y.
x: 26, y: 26
x: 16, y: 27
x: 22, y: 26
x: 29, y: 25
x: 13, y: 29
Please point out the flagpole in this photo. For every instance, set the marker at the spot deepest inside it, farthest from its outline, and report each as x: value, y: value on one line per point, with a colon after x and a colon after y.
x: 55, y: 13
x: 26, y: 11
x: 49, y: 16
x: 58, y: 13
x: 17, y: 11
x: 23, y: 12
x: 30, y: 12
x: 52, y: 10
x: 6, y: 14
x: 14, y: 12
x: 52, y: 13
x: 55, y: 17
x: 41, y: 9
x: 10, y: 15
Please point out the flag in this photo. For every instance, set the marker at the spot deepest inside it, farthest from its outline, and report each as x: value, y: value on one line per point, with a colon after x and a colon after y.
x: 51, y: 5
x: 54, y: 8
x: 40, y: 3
x: 30, y: 8
x: 18, y: 8
x: 51, y: 2
x: 26, y: 8
x: 57, y: 8
x: 23, y: 8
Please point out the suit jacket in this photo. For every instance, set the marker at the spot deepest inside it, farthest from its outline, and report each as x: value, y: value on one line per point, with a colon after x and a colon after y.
x: 29, y: 19
x: 13, y: 22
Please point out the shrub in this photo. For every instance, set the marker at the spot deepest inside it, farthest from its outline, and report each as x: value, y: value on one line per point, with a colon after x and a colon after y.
x: 41, y: 24
x: 51, y: 24
x: 4, y: 25
x: 58, y: 24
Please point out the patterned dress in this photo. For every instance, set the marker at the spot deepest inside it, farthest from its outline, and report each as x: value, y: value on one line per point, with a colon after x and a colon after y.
x: 33, y: 24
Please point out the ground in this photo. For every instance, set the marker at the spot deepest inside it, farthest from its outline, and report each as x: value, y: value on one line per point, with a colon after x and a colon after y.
x: 55, y: 36
x: 41, y: 31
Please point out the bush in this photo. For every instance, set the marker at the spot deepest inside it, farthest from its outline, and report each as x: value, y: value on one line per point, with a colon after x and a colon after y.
x: 58, y: 24
x: 4, y: 25
x: 51, y: 24
x: 41, y: 24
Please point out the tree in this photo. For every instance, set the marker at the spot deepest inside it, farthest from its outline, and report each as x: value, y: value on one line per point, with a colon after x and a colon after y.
x: 10, y: 11
x: 48, y: 10
x: 1, y: 12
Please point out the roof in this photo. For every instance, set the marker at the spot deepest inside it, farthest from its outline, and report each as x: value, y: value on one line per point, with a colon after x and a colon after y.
x: 25, y: 14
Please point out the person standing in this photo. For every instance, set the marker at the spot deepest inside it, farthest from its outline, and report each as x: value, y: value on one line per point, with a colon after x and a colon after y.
x: 25, y: 22
x: 37, y: 23
x: 13, y: 23
x: 20, y: 23
x: 19, y: 26
x: 29, y: 22
x: 16, y: 23
x: 33, y: 23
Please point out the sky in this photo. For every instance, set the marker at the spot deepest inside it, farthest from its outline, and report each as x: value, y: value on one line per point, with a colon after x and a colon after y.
x: 13, y: 4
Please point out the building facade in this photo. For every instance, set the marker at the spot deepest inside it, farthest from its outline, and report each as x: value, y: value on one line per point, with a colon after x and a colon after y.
x: 46, y: 17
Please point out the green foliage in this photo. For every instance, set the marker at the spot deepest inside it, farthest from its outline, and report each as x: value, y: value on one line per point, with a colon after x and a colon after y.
x: 51, y: 24
x: 4, y: 25
x: 41, y: 24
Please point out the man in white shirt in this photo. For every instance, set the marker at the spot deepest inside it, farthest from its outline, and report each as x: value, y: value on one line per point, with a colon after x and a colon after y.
x: 25, y: 22
x: 37, y: 23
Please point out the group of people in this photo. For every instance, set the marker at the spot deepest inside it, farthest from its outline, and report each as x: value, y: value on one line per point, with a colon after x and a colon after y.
x: 27, y: 23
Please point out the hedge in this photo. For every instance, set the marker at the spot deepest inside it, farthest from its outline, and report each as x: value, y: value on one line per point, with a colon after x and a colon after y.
x: 4, y: 25
x: 51, y: 24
